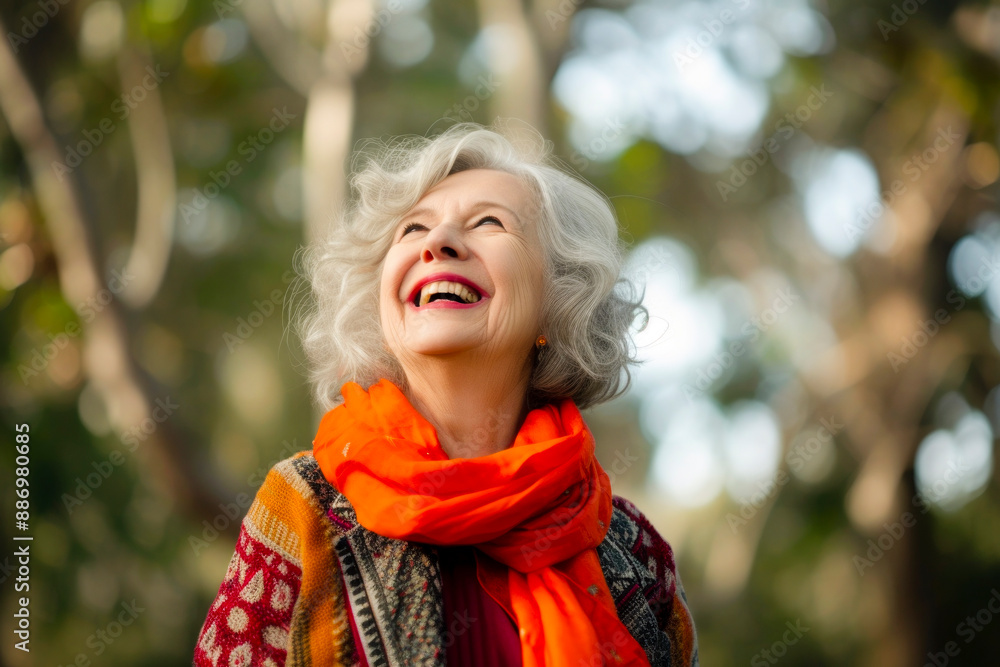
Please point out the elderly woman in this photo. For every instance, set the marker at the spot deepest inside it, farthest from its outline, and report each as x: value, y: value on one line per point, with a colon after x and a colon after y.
x: 452, y: 511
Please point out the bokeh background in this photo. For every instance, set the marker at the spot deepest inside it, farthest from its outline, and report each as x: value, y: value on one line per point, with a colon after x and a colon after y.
x: 810, y: 194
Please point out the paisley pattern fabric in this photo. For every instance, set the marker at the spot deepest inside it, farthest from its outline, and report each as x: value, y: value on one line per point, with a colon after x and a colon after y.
x: 304, y: 570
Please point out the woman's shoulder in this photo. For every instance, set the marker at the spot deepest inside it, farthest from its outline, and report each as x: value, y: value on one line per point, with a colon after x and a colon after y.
x: 635, y: 534
x: 283, y: 554
x: 301, y: 473
x: 642, y: 538
x: 294, y: 501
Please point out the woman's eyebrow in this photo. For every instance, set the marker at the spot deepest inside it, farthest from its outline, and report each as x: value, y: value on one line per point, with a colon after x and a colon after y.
x: 492, y: 204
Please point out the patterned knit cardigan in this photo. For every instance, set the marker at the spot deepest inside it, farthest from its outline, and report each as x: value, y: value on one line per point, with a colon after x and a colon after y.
x: 301, y: 554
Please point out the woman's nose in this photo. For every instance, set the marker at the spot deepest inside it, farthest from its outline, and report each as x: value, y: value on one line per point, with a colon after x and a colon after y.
x: 442, y: 242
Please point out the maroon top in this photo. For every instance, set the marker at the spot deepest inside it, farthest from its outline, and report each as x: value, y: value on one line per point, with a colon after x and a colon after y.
x: 478, y: 631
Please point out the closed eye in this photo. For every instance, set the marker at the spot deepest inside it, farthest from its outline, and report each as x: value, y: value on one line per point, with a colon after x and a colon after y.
x: 416, y: 225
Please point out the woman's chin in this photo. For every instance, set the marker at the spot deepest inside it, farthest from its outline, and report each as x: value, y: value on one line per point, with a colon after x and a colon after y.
x: 440, y: 346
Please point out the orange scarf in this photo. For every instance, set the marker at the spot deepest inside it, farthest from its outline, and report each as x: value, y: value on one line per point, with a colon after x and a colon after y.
x: 541, y: 506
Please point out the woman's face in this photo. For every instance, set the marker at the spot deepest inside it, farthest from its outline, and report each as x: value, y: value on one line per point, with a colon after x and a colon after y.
x: 479, y: 226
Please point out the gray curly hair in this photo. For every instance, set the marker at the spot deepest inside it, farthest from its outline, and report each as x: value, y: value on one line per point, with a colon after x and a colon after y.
x: 588, y: 306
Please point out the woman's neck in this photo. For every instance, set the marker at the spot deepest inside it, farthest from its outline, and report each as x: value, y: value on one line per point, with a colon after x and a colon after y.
x: 477, y: 409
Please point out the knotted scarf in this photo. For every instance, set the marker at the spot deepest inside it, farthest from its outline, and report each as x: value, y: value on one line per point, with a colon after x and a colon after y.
x: 540, y: 507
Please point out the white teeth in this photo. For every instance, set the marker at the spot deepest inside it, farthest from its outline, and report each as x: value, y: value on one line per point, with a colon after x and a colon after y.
x: 460, y: 290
